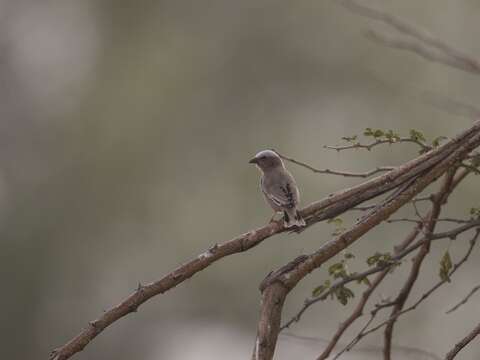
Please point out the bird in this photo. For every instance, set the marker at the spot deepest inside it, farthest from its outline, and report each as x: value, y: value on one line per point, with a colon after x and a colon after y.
x: 278, y: 187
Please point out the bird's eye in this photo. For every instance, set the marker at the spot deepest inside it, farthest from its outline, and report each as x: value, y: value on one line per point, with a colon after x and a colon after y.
x: 263, y: 157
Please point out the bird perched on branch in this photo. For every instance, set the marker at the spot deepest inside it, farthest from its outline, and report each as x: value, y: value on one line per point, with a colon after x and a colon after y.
x: 278, y: 187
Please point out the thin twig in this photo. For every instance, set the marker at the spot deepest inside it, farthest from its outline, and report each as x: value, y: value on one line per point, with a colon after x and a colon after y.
x: 402, y: 252
x: 451, y: 220
x: 365, y: 174
x: 359, y: 309
x: 371, y: 145
x: 366, y: 296
x: 395, y: 316
x: 372, y: 206
x: 277, y: 285
x: 324, y: 209
x: 462, y: 343
x: 464, y: 300
x: 438, y: 200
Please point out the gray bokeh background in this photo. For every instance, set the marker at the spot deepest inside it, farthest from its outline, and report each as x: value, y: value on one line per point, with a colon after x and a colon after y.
x: 126, y: 128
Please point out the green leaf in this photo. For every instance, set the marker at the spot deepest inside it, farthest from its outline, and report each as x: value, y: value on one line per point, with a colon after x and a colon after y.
x: 372, y: 260
x: 416, y: 135
x: 445, y: 266
x: 391, y: 136
x: 368, y: 132
x: 365, y: 281
x: 436, y: 141
x: 378, y: 133
x: 350, y: 139
x: 379, y: 259
x: 475, y: 212
x: 343, y: 294
x: 384, y: 260
x: 338, y: 270
x: 321, y: 288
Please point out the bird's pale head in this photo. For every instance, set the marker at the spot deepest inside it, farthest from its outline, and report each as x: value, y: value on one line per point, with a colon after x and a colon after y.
x: 267, y: 160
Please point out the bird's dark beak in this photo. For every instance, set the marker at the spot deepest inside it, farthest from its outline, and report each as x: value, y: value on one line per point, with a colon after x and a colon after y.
x: 253, y: 161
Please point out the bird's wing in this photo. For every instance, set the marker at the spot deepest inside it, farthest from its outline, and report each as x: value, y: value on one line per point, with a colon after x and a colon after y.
x: 282, y: 194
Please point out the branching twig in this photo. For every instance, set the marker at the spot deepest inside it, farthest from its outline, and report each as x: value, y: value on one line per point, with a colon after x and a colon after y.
x: 321, y: 210
x: 430, y: 224
x: 401, y: 252
x: 365, y: 297
x: 363, y: 333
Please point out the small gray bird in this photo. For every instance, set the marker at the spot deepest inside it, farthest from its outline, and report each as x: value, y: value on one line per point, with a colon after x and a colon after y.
x: 278, y: 187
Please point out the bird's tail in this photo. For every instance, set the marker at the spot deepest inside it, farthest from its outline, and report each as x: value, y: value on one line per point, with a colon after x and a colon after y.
x: 292, y: 218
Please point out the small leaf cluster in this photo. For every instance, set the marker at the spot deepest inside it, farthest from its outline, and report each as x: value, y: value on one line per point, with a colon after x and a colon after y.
x: 350, y: 139
x: 337, y: 271
x: 437, y: 140
x: 473, y: 164
x: 416, y: 135
x: 391, y: 137
x: 475, y: 212
x: 445, y: 266
x: 320, y: 289
x: 379, y: 259
x: 343, y: 294
x: 379, y: 134
x: 339, y: 227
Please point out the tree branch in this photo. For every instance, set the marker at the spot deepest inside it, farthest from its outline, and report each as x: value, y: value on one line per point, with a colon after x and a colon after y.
x: 423, y: 44
x: 464, y: 300
x: 327, y: 208
x: 365, y: 297
x: 268, y: 329
x: 430, y: 224
x: 401, y: 252
x: 371, y: 145
x: 462, y: 343
x: 363, y: 333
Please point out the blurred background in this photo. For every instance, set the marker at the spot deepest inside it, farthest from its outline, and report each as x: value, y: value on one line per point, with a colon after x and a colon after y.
x: 125, y: 132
